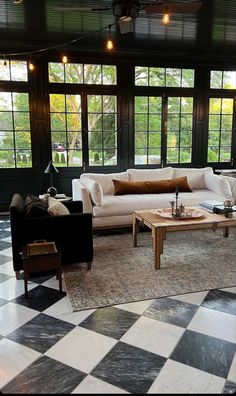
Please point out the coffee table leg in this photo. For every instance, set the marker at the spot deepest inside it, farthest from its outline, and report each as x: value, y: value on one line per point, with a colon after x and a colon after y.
x: 226, y: 232
x: 157, y: 247
x: 135, y: 230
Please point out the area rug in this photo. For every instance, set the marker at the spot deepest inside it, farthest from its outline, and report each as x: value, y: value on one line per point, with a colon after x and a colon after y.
x: 191, y: 262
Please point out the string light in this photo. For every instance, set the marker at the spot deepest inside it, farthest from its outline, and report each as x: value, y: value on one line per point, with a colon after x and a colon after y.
x: 65, y: 44
x: 166, y: 17
x: 64, y: 59
x: 30, y: 65
x: 5, y: 61
x: 110, y: 45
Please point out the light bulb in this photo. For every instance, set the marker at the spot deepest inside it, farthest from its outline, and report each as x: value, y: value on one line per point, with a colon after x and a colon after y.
x: 64, y: 59
x: 166, y: 17
x: 31, y: 66
x: 110, y: 45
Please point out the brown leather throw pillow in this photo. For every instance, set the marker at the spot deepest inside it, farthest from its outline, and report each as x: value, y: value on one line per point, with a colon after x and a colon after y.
x: 151, y: 187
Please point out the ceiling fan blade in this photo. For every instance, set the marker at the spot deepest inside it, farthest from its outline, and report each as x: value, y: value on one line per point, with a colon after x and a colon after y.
x: 81, y: 8
x: 174, y: 7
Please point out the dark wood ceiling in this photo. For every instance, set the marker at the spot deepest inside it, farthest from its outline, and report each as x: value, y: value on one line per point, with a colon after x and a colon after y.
x: 39, y: 24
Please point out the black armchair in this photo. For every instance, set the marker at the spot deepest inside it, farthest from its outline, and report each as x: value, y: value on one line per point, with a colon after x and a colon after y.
x: 73, y: 232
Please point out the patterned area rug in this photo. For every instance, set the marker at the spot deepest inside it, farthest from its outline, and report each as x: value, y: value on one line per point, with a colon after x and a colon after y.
x: 191, y: 262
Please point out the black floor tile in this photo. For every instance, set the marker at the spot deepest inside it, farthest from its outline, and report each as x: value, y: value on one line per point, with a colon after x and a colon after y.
x: 131, y: 369
x: 41, y: 333
x: 205, y: 353
x: 220, y: 300
x: 230, y: 388
x: 112, y: 322
x: 171, y: 311
x: 45, y: 376
x: 40, y: 298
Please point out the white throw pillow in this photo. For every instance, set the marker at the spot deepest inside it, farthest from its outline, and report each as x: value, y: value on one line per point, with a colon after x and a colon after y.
x: 218, y: 184
x: 105, y: 180
x: 150, y: 174
x: 195, y: 176
x: 95, y: 190
x: 56, y: 208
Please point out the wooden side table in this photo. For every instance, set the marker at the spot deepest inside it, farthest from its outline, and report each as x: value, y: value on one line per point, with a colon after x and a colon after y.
x: 37, y: 257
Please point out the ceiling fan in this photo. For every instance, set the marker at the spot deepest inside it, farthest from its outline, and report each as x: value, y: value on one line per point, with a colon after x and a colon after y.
x: 128, y: 10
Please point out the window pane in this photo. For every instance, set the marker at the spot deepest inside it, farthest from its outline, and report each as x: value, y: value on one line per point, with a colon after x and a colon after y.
x: 187, y: 78
x: 157, y: 76
x: 141, y: 75
x: 140, y: 156
x: 154, y: 123
x: 155, y: 139
x: 92, y: 74
x: 229, y: 79
x: 141, y: 140
x: 216, y: 79
x: 173, y: 105
x: 21, y: 120
x: 141, y: 104
x: 155, y: 104
x: 4, y: 70
x: 74, y: 73
x: 185, y: 155
x: 141, y: 122
x: 19, y: 71
x: 56, y: 72
x: 172, y: 156
x: 109, y: 75
x: 173, y: 77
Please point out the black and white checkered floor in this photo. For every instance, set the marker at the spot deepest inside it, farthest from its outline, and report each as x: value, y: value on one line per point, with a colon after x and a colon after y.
x: 182, y: 344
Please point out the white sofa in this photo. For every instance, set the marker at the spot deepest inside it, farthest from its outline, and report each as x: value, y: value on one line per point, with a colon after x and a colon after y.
x: 96, y: 190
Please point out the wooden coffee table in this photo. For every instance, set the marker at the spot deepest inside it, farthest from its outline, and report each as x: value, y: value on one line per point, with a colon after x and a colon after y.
x: 159, y: 226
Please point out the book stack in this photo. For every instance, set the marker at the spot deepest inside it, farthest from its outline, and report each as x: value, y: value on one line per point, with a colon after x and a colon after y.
x: 216, y: 207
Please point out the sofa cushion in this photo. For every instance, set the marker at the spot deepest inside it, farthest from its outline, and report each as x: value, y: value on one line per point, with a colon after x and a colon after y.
x: 218, y: 184
x: 123, y: 205
x: 34, y: 206
x: 94, y: 189
x: 56, y: 208
x: 150, y: 174
x: 151, y: 187
x: 105, y: 180
x: 195, y: 176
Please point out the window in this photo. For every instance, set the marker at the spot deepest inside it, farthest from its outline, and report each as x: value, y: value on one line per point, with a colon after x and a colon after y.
x: 220, y: 129
x: 179, y: 130
x: 83, y: 125
x: 164, y: 77
x: 147, y: 129
x: 102, y: 130
x: 66, y: 128
x: 15, y: 136
x: 223, y: 79
x: 169, y: 141
x: 13, y: 70
x: 76, y: 73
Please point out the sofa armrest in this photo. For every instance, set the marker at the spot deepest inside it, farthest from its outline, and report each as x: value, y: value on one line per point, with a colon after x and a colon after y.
x: 218, y: 184
x: 232, y: 183
x: 80, y: 193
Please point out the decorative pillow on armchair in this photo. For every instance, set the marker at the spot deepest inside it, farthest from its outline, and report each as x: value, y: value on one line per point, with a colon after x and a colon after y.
x: 56, y: 208
x: 34, y: 206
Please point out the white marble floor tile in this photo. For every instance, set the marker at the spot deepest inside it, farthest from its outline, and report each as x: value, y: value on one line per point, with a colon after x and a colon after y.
x: 82, y: 349
x: 230, y: 289
x: 232, y: 371
x: 7, y: 269
x: 13, y: 359
x: 153, y: 336
x: 62, y: 310
x: 54, y: 283
x: 136, y: 307
x: 8, y: 239
x: 13, y: 288
x: 91, y: 385
x: 214, y: 323
x: 192, y: 298
x: 177, y: 378
x: 7, y: 252
x: 13, y: 316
